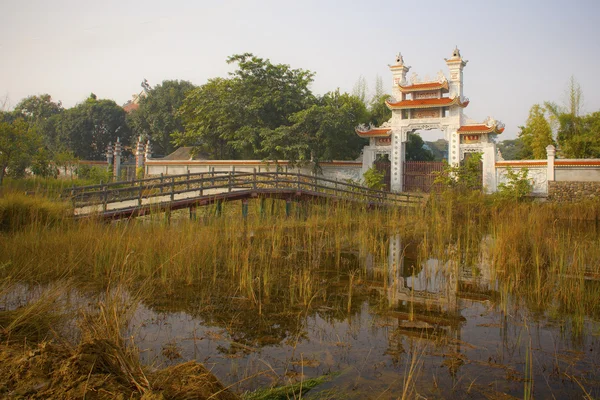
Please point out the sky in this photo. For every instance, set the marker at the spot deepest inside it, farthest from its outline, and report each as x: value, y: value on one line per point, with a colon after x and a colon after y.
x: 520, y: 52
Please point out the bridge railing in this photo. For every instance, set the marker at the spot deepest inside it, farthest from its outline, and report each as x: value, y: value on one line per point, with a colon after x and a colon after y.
x: 167, y: 188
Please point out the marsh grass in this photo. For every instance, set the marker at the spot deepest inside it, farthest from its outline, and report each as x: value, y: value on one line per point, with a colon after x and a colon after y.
x: 19, y: 211
x: 273, y: 265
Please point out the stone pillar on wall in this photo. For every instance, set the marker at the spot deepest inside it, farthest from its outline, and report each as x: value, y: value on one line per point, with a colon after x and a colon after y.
x: 397, y: 159
x: 109, y: 155
x: 147, y: 156
x: 140, y: 153
x: 551, y: 154
x: 489, y: 167
x: 117, y: 163
x: 368, y: 159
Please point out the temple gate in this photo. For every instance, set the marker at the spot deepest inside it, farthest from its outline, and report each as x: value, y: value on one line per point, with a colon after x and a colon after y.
x: 426, y: 105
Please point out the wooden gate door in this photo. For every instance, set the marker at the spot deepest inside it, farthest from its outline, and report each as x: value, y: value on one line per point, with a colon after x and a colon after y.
x: 419, y: 175
x: 384, y: 165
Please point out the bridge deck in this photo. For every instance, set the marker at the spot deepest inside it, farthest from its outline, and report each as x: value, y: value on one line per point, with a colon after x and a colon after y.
x: 127, y: 199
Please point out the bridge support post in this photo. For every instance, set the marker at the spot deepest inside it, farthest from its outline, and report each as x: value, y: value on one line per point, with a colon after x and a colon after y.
x: 104, y: 197
x: 193, y: 216
x: 288, y: 207
x: 245, y: 208
x: 218, y: 208
x: 168, y: 216
x: 262, y: 207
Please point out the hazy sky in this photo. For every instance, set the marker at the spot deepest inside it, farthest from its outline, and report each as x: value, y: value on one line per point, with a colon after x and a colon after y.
x: 520, y: 52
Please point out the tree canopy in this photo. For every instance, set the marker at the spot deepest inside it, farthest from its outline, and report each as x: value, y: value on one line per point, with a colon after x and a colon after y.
x: 415, y: 149
x: 227, y: 116
x: 90, y: 126
x: 19, y: 143
x: 535, y: 135
x: 322, y: 132
x: 156, y: 118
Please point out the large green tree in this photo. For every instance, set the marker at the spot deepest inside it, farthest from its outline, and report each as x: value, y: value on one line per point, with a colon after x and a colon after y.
x: 90, y: 126
x: 577, y: 134
x: 536, y: 134
x: 156, y: 118
x: 19, y: 143
x: 257, y: 96
x: 415, y: 149
x: 322, y: 132
x: 378, y: 110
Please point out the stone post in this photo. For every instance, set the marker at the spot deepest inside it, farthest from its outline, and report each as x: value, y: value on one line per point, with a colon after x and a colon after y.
x: 147, y: 156
x: 551, y: 154
x: 109, y: 155
x: 117, y: 164
x: 139, y: 153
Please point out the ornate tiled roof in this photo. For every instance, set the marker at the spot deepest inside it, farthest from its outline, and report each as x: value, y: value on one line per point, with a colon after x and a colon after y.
x: 488, y: 126
x: 427, y: 103
x: 425, y: 86
x: 370, y: 131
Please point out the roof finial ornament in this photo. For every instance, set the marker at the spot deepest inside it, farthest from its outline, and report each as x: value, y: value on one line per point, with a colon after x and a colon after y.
x: 399, y: 59
x: 456, y: 52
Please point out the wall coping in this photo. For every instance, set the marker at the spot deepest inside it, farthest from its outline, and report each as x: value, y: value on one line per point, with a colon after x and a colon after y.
x: 521, y: 163
x: 159, y: 162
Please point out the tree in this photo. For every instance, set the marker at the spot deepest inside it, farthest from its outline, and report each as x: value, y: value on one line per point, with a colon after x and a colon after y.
x: 257, y: 96
x: 18, y: 145
x: 536, y: 134
x: 577, y: 135
x: 156, y: 118
x: 511, y: 149
x: 415, y: 149
x: 378, y: 110
x: 37, y: 109
x: 322, y: 132
x: 360, y: 89
x: 88, y: 127
x: 210, y: 119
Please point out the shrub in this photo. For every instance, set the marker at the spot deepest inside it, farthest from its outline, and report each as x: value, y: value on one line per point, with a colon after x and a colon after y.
x: 374, y: 178
x: 517, y: 187
x: 93, y: 173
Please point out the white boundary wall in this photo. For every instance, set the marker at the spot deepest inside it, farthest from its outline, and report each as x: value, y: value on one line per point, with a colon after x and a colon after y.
x: 540, y: 172
x: 340, y: 170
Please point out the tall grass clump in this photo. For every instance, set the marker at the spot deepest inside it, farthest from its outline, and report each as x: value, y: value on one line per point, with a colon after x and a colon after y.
x: 18, y: 211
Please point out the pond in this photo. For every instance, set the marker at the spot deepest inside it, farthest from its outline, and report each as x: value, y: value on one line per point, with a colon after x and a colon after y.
x: 381, y: 325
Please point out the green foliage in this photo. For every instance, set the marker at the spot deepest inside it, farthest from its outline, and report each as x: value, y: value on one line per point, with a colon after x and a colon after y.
x: 88, y: 128
x: 156, y: 118
x: 535, y: 135
x: 322, y: 132
x: 93, y: 173
x: 42, y: 164
x: 378, y: 110
x: 292, y: 391
x: 19, y: 143
x: 465, y: 177
x: 374, y: 178
x: 517, y: 187
x: 229, y: 117
x: 577, y: 135
x: 415, y: 150
x: 511, y: 149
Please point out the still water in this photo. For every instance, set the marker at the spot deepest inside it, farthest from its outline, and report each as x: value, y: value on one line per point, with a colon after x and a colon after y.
x: 381, y: 327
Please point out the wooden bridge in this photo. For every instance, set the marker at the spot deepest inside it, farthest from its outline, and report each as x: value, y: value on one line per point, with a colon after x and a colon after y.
x: 140, y: 197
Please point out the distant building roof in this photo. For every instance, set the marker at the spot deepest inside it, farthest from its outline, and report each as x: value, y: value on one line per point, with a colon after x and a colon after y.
x: 130, y: 106
x: 185, y: 153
